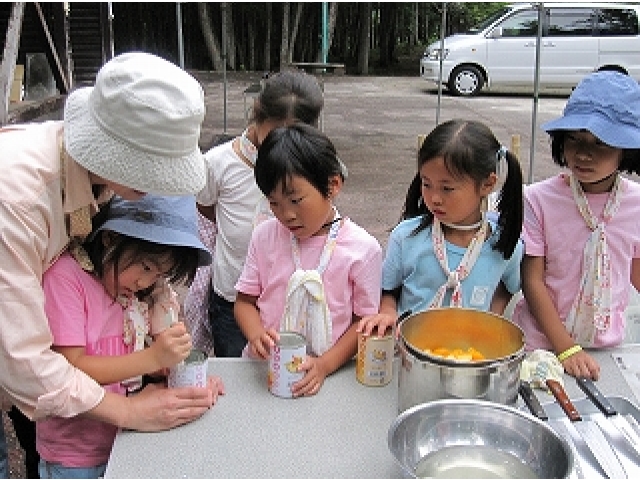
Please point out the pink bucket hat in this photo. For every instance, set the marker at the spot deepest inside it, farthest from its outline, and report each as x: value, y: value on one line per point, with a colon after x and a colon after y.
x: 139, y: 125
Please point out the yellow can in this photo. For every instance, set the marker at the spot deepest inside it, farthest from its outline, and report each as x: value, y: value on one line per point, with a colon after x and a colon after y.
x: 374, y: 363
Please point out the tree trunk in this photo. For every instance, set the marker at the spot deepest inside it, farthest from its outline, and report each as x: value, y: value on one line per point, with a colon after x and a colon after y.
x: 416, y: 17
x: 251, y: 41
x: 294, y: 32
x: 9, y: 56
x: 267, y: 43
x: 227, y: 11
x: 388, y: 14
x: 210, y: 39
x: 363, y: 41
x: 333, y: 13
x: 284, y: 42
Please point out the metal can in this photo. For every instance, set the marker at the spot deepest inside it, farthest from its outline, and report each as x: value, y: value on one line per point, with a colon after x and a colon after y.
x: 191, y: 372
x: 288, y: 353
x: 374, y: 362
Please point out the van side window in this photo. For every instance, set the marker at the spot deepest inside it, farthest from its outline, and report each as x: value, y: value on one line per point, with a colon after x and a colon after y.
x: 522, y: 24
x: 617, y: 22
x: 573, y: 22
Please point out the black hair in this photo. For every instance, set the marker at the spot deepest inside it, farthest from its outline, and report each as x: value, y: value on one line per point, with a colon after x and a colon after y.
x: 289, y: 95
x: 124, y: 250
x: 296, y: 150
x: 629, y: 163
x: 471, y: 149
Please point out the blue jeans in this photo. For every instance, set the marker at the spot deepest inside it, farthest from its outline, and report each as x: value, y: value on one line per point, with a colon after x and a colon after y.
x: 228, y: 340
x: 55, y: 470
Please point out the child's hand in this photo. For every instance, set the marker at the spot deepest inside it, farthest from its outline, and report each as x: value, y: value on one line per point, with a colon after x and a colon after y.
x: 260, y: 346
x: 313, y: 379
x: 382, y: 321
x: 582, y: 364
x: 171, y: 346
x: 216, y: 386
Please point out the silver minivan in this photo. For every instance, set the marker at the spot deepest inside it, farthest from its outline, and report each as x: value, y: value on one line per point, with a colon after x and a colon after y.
x: 577, y: 39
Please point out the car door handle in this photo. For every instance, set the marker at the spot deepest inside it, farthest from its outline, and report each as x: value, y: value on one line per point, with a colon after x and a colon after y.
x: 530, y: 44
x: 548, y: 44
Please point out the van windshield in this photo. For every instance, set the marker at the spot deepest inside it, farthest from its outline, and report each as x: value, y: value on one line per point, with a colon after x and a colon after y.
x: 487, y: 21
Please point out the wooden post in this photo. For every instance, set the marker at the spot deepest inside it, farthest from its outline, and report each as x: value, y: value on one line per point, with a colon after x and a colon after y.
x: 9, y: 56
x: 52, y: 46
x: 421, y: 141
x: 515, y: 146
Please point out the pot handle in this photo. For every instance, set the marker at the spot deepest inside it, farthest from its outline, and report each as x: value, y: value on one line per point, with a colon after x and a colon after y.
x: 403, y: 316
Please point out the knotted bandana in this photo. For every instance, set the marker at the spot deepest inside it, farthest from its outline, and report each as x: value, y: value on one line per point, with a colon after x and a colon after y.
x: 455, y: 278
x: 591, y: 309
x: 306, y: 310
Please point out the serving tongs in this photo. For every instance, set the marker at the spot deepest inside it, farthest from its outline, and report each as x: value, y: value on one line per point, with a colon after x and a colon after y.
x: 606, y: 448
x: 620, y: 432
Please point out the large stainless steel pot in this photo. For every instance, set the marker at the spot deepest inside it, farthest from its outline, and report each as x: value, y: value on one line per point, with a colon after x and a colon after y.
x: 477, y: 439
x: 424, y: 377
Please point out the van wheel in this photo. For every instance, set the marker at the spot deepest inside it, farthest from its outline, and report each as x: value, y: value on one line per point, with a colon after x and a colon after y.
x: 465, y: 81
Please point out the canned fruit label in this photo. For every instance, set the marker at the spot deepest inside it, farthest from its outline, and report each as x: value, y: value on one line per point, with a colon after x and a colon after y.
x: 374, y: 362
x: 192, y: 372
x: 286, y: 356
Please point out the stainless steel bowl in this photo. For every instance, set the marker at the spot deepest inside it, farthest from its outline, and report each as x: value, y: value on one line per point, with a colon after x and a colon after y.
x: 454, y: 438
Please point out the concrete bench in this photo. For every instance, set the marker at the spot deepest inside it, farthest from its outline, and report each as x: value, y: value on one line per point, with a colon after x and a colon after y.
x: 319, y: 67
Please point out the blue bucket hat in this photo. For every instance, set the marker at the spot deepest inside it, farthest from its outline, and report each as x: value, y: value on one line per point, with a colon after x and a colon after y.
x: 607, y: 104
x: 166, y: 220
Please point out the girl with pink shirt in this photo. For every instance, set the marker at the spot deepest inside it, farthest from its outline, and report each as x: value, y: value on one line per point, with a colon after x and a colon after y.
x: 581, y: 228
x: 103, y: 299
x: 309, y: 269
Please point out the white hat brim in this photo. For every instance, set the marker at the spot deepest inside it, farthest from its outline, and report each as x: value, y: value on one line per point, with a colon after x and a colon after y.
x: 120, y: 162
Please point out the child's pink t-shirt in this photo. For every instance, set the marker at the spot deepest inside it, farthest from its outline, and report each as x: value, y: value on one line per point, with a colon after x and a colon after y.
x: 553, y: 228
x: 351, y: 281
x: 80, y: 313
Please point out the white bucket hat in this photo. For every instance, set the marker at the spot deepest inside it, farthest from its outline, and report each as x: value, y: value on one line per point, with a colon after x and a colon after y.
x: 139, y: 125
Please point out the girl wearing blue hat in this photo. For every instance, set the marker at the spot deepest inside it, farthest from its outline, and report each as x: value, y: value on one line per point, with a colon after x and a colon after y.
x: 581, y: 227
x: 102, y: 300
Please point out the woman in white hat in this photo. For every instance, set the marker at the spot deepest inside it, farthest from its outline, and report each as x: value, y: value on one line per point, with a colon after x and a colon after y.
x: 581, y: 229
x: 136, y: 131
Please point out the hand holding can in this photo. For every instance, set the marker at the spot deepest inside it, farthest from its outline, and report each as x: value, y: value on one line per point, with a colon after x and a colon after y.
x: 286, y: 355
x: 192, y: 372
x: 374, y: 362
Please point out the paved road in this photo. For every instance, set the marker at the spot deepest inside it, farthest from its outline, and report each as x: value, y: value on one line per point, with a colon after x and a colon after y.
x: 375, y: 123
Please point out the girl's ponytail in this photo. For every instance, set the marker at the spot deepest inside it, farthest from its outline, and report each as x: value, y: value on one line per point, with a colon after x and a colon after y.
x: 510, y: 207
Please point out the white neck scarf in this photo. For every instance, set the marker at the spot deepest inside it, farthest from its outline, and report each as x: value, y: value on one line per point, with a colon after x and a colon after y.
x: 454, y: 279
x: 306, y: 310
x: 250, y: 152
x: 248, y: 149
x: 136, y: 328
x: 591, y: 309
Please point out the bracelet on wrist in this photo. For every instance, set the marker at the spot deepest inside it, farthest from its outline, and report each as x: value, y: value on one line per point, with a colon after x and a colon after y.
x: 562, y: 356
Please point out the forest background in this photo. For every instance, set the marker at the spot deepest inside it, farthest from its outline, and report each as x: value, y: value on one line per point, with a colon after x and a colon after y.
x: 369, y: 38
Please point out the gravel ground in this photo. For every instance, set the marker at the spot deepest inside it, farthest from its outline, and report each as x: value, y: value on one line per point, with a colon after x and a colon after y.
x: 15, y: 453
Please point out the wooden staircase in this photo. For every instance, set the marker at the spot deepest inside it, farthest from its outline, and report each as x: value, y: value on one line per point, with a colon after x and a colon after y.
x: 89, y: 40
